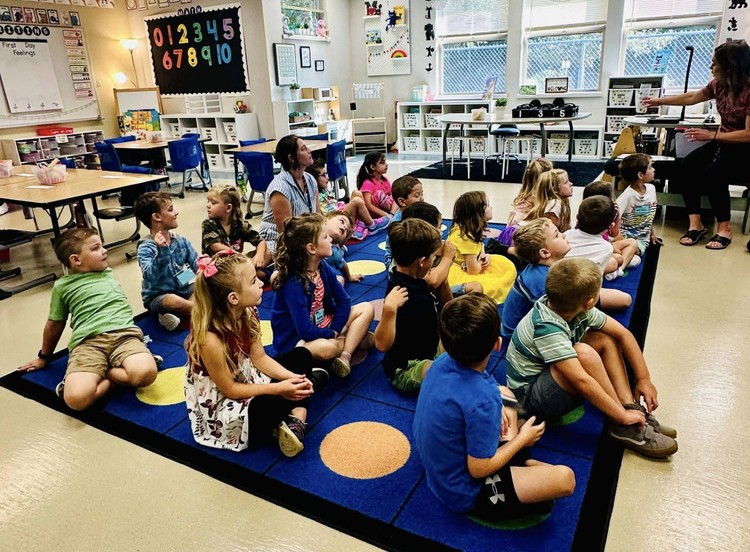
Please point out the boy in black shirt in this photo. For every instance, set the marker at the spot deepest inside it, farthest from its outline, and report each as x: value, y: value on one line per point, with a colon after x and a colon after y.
x: 408, y: 328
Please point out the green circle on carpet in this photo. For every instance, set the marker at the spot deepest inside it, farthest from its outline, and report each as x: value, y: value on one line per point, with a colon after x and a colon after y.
x: 515, y: 524
x: 570, y: 418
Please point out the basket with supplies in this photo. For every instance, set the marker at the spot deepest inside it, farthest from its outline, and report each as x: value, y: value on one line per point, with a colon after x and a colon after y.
x: 54, y: 173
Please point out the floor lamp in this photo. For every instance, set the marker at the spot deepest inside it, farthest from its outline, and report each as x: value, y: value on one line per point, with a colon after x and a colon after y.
x: 130, y: 44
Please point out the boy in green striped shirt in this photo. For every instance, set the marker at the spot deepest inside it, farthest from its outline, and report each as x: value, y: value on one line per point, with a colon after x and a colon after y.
x: 565, y: 350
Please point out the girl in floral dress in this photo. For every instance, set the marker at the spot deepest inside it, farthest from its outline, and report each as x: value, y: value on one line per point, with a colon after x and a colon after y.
x: 235, y: 393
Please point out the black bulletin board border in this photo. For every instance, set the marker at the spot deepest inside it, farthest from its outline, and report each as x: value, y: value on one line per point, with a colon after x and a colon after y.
x: 201, y: 52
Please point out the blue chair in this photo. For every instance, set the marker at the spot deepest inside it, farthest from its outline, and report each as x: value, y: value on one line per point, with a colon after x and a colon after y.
x: 120, y: 139
x: 336, y: 165
x: 185, y: 155
x: 110, y: 161
x: 244, y: 143
x: 204, y: 161
x: 259, y: 169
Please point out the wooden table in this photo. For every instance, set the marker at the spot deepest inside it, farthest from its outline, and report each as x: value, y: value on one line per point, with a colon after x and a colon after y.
x: 269, y: 146
x: 463, y: 119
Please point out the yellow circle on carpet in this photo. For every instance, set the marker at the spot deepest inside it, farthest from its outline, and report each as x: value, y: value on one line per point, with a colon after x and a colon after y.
x: 168, y: 389
x: 266, y: 333
x: 366, y: 268
x: 381, y: 245
x: 365, y: 450
x: 443, y: 228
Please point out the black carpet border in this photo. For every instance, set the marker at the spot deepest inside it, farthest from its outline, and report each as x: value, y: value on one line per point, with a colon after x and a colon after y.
x: 429, y: 172
x: 593, y: 522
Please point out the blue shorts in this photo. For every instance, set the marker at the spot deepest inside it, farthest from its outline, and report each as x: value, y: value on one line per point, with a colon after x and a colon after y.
x: 156, y: 305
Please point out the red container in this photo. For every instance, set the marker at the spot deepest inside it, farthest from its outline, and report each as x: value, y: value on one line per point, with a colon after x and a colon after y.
x: 52, y: 131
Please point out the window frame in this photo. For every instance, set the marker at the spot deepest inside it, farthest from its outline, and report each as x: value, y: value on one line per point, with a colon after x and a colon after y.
x: 456, y: 39
x: 293, y: 5
x: 538, y: 32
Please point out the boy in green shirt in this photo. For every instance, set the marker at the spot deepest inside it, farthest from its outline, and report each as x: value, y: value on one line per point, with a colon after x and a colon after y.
x: 106, y: 346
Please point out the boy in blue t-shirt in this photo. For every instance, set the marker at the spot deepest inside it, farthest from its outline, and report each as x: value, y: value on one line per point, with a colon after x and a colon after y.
x: 540, y: 244
x: 406, y: 190
x: 460, y: 420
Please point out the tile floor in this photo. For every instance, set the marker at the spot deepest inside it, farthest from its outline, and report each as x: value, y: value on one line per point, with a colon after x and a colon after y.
x: 67, y: 486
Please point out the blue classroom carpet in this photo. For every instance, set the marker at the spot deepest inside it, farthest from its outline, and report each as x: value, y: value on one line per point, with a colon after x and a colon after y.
x: 358, y: 472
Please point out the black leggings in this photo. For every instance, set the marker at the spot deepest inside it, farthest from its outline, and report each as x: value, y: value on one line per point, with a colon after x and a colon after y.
x: 267, y: 411
x: 709, y: 170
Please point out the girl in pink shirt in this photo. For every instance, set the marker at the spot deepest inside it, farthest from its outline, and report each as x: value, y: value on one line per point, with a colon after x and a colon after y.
x: 375, y: 187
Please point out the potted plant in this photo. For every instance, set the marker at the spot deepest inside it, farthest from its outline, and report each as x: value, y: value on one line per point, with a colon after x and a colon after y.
x: 294, y: 90
x: 500, y: 104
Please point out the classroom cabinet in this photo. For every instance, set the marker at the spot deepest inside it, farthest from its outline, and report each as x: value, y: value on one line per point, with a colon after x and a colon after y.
x: 420, y: 132
x: 315, y: 112
x: 36, y: 149
x: 223, y: 131
x: 624, y: 100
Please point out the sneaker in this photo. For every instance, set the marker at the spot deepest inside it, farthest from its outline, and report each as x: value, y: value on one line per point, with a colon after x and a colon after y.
x: 360, y: 231
x: 159, y: 361
x: 379, y: 224
x: 60, y: 390
x: 340, y: 368
x: 319, y: 379
x: 4, y: 208
x: 169, y: 321
x: 643, y: 440
x: 291, y: 433
x: 652, y: 421
x: 634, y: 262
x: 612, y: 275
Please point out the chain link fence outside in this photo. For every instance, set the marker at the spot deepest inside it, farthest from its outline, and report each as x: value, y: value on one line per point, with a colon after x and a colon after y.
x: 466, y: 66
x: 644, y: 45
x: 577, y: 57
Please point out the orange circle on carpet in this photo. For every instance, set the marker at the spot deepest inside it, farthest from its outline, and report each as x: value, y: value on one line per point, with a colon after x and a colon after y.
x: 365, y: 450
x: 366, y: 267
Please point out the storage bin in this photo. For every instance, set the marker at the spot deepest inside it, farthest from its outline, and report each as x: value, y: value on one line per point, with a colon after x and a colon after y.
x: 431, y: 121
x: 621, y: 97
x: 411, y: 120
x: 214, y: 160
x: 174, y: 129
x: 228, y: 159
x: 478, y: 145
x: 232, y: 138
x: 609, y: 147
x: 31, y: 156
x: 411, y: 143
x: 615, y: 123
x: 229, y: 127
x: 435, y: 143
x: 536, y: 146
x: 585, y: 146
x: 209, y: 133
x: 188, y: 130
x: 558, y: 146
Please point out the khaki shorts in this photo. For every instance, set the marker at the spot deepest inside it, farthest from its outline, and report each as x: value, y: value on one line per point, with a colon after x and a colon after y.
x: 101, y: 352
x: 409, y: 379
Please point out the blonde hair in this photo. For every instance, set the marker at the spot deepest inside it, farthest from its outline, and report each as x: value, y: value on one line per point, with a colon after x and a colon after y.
x: 211, y: 312
x: 572, y: 282
x: 547, y: 190
x: 533, y: 171
x: 468, y: 215
x: 231, y: 196
x: 530, y: 238
x: 291, y: 252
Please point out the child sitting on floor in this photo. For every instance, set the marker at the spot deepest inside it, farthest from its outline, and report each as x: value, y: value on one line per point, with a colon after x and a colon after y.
x: 225, y: 226
x: 552, y: 198
x: 495, y: 273
x: 524, y: 201
x: 339, y: 228
x: 375, y: 187
x: 637, y: 202
x: 627, y: 248
x: 106, y: 346
x: 234, y: 392
x: 407, y: 191
x: 311, y: 307
x: 566, y: 350
x: 167, y: 261
x: 595, y: 215
x: 407, y: 332
x: 356, y: 210
x: 471, y: 447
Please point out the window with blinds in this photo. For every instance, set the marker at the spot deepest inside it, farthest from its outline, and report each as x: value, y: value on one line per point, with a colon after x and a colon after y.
x: 658, y: 34
x: 564, y: 39
x: 471, y: 45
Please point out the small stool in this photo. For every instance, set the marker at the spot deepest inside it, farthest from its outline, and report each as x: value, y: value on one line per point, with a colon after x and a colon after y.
x: 457, y: 143
x: 505, y: 135
x: 507, y: 142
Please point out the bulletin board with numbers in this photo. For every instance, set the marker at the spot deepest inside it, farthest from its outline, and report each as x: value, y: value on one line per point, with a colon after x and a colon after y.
x: 199, y: 53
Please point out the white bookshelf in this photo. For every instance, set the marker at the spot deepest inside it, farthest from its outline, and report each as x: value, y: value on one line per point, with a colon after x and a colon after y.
x: 223, y: 130
x: 29, y: 150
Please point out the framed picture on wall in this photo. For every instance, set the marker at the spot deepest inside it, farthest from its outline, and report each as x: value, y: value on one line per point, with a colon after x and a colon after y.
x: 285, y: 62
x: 319, y: 65
x: 305, y: 57
x: 556, y: 85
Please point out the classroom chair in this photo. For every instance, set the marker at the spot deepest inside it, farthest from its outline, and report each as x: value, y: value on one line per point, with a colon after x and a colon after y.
x: 259, y: 169
x: 336, y: 166
x: 204, y: 161
x: 9, y: 239
x: 185, y: 155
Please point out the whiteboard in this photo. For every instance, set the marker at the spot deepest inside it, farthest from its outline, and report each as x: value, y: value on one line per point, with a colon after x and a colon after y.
x: 28, y: 75
x: 70, y: 72
x: 137, y: 99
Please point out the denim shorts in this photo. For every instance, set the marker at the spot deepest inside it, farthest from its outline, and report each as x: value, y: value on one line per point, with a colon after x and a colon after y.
x: 156, y: 305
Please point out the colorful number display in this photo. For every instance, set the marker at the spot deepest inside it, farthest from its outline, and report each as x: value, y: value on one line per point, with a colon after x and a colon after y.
x: 198, y: 52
